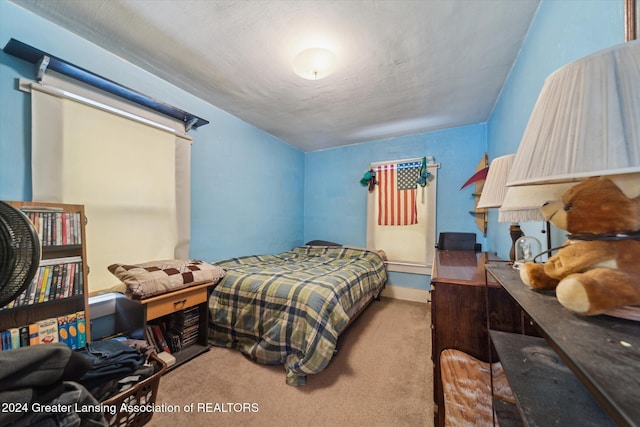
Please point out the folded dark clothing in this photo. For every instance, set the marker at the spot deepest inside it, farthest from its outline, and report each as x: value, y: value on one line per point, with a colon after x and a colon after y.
x: 36, y: 374
x: 40, y: 366
x: 71, y: 395
x: 111, y: 387
x: 109, y: 360
x: 142, y: 346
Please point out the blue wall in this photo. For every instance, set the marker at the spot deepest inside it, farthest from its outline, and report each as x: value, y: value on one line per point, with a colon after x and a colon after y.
x: 335, y: 202
x: 562, y: 31
x: 247, y: 186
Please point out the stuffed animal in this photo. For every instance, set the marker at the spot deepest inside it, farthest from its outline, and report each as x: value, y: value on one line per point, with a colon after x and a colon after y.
x: 598, y: 268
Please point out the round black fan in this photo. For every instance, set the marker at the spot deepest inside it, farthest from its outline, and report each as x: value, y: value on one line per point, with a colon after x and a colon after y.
x: 19, y: 252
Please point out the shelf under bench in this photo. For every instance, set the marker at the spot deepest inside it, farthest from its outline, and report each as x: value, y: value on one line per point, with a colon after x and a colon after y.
x: 601, y: 351
x: 548, y: 393
x: 172, y: 302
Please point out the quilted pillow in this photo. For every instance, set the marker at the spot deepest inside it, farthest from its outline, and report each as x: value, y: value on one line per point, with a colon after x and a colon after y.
x: 158, y: 277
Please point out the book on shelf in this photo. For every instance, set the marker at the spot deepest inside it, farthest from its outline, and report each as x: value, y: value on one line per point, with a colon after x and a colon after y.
x: 14, y: 333
x: 34, y: 336
x: 73, y: 330
x: 48, y: 330
x: 63, y: 330
x: 81, y: 325
x: 52, y: 293
x: 68, y: 278
x: 78, y: 280
x: 5, y: 336
x: 174, y: 332
x: 45, y: 284
x: 54, y: 226
x: 174, y: 340
x: 24, y: 336
x: 31, y: 293
x: 160, y: 341
x: 69, y: 329
x: 56, y: 278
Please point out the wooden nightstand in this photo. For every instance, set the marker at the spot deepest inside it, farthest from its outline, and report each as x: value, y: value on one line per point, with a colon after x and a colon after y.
x: 193, y: 300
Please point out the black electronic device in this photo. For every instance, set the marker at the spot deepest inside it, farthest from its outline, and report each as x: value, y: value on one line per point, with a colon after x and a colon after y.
x: 19, y: 252
x: 458, y: 241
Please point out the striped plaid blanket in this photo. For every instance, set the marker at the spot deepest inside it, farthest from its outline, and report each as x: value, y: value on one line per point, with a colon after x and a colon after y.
x: 290, y: 308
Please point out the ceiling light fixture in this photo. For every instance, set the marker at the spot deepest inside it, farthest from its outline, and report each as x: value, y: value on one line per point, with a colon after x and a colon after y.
x: 314, y: 63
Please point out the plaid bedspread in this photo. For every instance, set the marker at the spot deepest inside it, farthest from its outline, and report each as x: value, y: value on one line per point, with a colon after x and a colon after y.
x: 290, y: 308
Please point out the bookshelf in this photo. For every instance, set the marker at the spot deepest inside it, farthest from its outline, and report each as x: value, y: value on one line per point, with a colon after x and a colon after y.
x: 60, y: 285
x: 188, y: 304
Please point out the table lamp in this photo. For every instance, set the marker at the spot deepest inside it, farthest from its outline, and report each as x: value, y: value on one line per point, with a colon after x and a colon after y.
x: 494, y: 191
x: 586, y: 121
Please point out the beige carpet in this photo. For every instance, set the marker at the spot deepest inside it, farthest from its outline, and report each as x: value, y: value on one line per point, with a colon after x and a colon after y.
x: 381, y: 376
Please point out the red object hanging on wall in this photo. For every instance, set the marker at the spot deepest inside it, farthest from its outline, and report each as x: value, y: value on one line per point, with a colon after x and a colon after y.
x: 480, y: 175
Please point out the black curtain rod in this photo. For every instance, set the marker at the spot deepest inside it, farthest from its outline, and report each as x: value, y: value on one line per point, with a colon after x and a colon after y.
x: 45, y: 61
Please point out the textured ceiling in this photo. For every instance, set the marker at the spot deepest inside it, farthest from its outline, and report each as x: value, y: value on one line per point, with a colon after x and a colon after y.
x: 403, y: 66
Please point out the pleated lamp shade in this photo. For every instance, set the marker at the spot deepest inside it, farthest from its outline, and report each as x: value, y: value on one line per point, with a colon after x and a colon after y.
x: 495, y: 185
x: 586, y: 121
x: 522, y: 204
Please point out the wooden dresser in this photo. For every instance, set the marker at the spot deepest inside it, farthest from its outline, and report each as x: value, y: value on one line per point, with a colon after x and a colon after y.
x: 463, y: 301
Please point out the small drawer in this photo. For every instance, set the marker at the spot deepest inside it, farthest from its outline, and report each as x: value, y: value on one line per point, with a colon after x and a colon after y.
x: 175, y: 301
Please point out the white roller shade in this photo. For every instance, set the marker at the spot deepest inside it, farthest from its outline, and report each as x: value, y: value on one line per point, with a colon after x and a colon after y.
x: 123, y: 171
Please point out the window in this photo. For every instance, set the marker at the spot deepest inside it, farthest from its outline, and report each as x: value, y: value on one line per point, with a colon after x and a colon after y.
x: 131, y: 175
x: 409, y: 248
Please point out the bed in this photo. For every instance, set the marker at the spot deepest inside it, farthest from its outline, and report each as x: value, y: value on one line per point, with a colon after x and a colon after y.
x: 290, y: 308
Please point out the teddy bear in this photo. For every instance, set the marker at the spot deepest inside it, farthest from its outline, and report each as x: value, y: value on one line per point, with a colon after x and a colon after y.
x: 598, y: 268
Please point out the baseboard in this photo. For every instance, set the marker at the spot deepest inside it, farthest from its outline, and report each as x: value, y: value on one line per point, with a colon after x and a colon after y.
x: 408, y: 267
x: 406, y: 294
